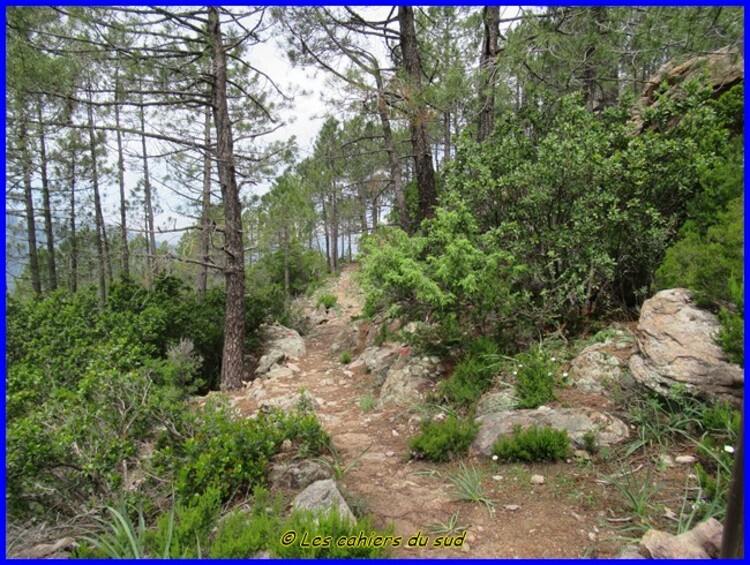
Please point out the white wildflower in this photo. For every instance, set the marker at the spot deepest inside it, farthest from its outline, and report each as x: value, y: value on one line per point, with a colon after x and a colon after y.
x: 729, y: 449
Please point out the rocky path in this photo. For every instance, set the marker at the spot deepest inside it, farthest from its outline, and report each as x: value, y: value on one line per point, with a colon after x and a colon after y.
x: 528, y: 519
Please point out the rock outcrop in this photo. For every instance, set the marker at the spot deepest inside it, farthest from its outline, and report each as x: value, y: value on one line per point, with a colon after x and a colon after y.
x: 578, y: 422
x: 676, y: 342
x: 279, y: 343
x: 721, y: 69
x: 408, y: 380
x: 323, y: 496
x: 596, y: 368
x: 297, y: 475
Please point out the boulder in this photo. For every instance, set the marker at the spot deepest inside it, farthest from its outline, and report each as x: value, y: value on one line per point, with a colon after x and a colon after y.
x: 297, y: 475
x: 676, y: 342
x: 577, y: 421
x: 408, y: 381
x: 702, y: 542
x: 280, y: 343
x: 323, y: 496
x: 377, y: 361
x: 346, y: 340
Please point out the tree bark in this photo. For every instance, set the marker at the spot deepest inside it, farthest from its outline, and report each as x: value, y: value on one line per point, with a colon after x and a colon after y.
x: 234, y: 270
x: 148, y: 206
x: 205, y: 241
x: 101, y: 248
x: 488, y: 65
x: 23, y: 137
x: 47, y: 209
x: 125, y: 257
x: 393, y: 164
x: 417, y: 111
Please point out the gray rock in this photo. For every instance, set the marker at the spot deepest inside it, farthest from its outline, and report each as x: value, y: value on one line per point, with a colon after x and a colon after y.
x: 594, y: 368
x: 676, y: 342
x: 323, y: 496
x: 684, y: 459
x: 378, y: 361
x: 494, y: 402
x: 408, y: 381
x: 577, y: 421
x: 537, y: 479
x: 278, y: 372
x: 273, y: 357
x: 290, y: 402
x: 297, y: 475
x: 346, y: 340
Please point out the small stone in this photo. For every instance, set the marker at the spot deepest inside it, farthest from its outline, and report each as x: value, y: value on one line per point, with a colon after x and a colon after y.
x: 537, y: 480
x: 286, y: 446
x: 348, y: 373
x: 294, y: 368
x: 512, y: 507
x: 390, y: 453
x: 497, y: 477
x: 480, y: 529
x: 582, y: 454
x: 684, y: 459
x: 666, y: 461
x: 592, y: 536
x: 465, y: 547
x: 471, y: 538
x: 395, y: 433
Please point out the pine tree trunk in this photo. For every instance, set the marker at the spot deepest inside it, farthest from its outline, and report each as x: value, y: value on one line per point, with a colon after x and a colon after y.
x: 234, y: 329
x: 393, y: 164
x: 36, y: 281
x: 488, y: 64
x: 149, y: 209
x: 98, y: 216
x: 205, y: 242
x: 47, y: 209
x: 125, y: 257
x: 72, y: 179
x: 417, y: 110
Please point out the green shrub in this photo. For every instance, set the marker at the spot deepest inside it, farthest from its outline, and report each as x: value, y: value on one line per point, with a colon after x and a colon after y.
x: 231, y: 454
x: 345, y: 358
x: 328, y: 301
x: 532, y: 444
x: 443, y: 441
x: 473, y: 376
x: 535, y: 375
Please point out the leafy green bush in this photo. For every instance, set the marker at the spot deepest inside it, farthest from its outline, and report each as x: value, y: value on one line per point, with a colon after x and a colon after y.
x: 472, y: 377
x: 327, y: 300
x: 231, y: 454
x: 443, y: 441
x: 535, y: 375
x: 345, y: 358
x: 533, y: 444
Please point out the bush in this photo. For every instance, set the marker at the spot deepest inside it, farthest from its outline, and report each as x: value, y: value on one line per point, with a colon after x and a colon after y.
x: 533, y: 444
x: 535, y: 375
x: 472, y: 377
x: 328, y: 301
x: 443, y: 441
x: 345, y: 358
x: 231, y: 454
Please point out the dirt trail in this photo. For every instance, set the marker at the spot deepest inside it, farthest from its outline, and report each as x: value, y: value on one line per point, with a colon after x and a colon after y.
x: 412, y: 495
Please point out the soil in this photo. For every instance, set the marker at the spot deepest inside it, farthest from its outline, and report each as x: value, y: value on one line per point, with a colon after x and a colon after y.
x: 575, y: 513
